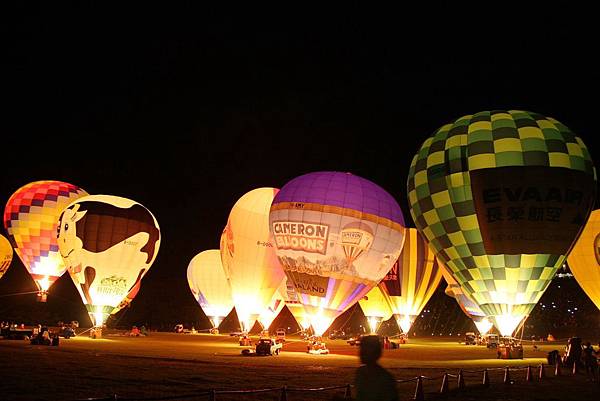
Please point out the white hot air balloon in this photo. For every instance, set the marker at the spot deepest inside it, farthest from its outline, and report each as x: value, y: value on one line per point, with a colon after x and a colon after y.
x: 249, y: 255
x: 209, y: 285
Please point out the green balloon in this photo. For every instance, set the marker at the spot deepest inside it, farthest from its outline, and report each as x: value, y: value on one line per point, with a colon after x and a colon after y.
x: 501, y: 196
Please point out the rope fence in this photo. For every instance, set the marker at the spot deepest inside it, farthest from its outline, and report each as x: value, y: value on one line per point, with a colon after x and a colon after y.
x: 531, y: 373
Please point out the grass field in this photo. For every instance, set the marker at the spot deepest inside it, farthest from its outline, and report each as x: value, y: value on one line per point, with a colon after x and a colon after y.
x: 169, y: 365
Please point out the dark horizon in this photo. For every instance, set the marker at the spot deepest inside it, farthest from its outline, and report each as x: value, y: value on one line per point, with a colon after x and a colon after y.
x: 185, y: 115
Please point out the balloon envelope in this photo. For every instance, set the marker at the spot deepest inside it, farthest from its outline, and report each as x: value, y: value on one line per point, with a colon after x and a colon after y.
x: 6, y: 254
x: 336, y: 236
x: 500, y: 197
x: 376, y: 308
x: 209, y: 285
x: 108, y: 244
x: 584, y: 259
x: 412, y: 280
x: 249, y: 256
x: 30, y: 218
x: 466, y: 304
x: 274, y: 307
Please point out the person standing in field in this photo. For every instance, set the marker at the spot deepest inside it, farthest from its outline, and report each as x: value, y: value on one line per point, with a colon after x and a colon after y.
x: 373, y: 382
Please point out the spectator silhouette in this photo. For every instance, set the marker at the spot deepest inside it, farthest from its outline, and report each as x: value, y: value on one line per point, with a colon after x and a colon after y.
x: 373, y: 382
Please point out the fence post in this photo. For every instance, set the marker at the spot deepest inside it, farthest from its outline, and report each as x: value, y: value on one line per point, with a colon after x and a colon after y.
x: 507, y: 376
x: 542, y: 372
x: 444, y: 388
x: 212, y: 396
x: 460, y: 380
x: 348, y: 392
x: 486, y: 378
x: 528, y: 376
x: 283, y: 394
x: 419, y: 396
x: 557, y: 369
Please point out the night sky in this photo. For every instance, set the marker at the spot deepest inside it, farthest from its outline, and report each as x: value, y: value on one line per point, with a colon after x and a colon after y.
x: 185, y: 110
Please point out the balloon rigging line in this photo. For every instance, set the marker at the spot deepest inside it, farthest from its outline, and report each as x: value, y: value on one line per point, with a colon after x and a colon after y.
x: 18, y: 293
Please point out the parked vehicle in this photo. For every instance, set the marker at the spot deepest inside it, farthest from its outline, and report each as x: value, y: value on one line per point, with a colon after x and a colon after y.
x: 471, y: 338
x: 338, y: 335
x: 280, y: 335
x: 268, y: 346
x: 491, y: 340
x: 355, y: 340
x: 317, y: 347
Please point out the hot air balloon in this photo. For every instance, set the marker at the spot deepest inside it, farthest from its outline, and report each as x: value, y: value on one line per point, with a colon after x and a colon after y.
x: 336, y: 236
x: 466, y: 304
x: 6, y: 254
x: 108, y: 244
x: 274, y: 307
x: 249, y: 256
x: 500, y: 197
x: 376, y: 308
x: 30, y: 218
x: 584, y: 259
x: 210, y: 286
x: 412, y: 280
x: 226, y: 248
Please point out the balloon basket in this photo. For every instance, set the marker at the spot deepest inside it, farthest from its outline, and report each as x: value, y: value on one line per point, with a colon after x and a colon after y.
x: 42, y: 296
x: 96, y: 332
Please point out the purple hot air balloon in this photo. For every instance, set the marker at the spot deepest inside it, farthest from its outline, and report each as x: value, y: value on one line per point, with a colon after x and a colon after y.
x: 336, y: 236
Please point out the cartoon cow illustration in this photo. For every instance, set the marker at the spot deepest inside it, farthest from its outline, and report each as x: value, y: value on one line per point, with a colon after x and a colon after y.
x: 108, y: 244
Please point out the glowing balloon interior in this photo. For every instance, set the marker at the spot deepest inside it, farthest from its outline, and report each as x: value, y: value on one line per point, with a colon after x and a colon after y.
x: 6, y: 254
x: 249, y: 256
x: 336, y: 236
x: 108, y: 244
x: 411, y: 282
x: 501, y: 196
x: 30, y: 218
x: 376, y: 308
x: 584, y: 259
x: 209, y: 285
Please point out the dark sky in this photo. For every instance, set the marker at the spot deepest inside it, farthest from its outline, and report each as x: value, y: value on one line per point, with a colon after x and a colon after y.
x: 185, y: 110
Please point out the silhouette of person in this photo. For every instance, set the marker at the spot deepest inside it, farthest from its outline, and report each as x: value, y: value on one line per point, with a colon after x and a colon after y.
x: 373, y: 382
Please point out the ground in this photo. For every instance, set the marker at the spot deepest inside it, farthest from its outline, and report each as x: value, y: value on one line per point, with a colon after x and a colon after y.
x: 168, y: 364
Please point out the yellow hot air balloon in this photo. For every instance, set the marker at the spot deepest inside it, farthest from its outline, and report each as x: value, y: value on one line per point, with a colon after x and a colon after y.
x: 6, y: 254
x: 412, y: 280
x: 376, y: 307
x: 501, y: 196
x: 584, y: 259
x: 249, y: 256
x: 210, y: 286
x: 30, y: 218
x: 336, y: 235
x: 466, y: 304
x: 108, y: 244
x: 274, y: 307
